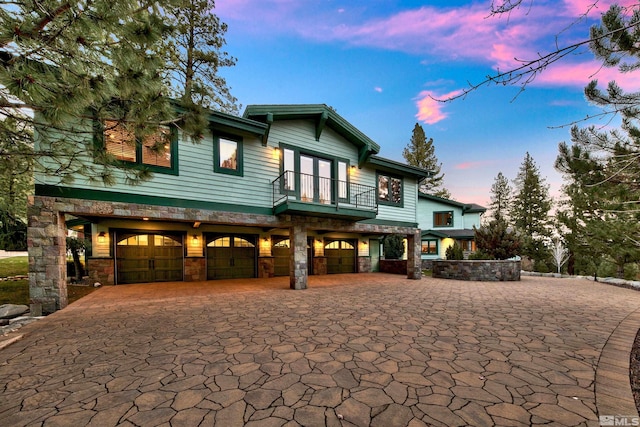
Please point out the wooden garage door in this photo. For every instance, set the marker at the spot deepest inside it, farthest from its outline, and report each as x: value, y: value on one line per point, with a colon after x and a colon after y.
x: 143, y: 258
x: 231, y: 257
x: 341, y: 256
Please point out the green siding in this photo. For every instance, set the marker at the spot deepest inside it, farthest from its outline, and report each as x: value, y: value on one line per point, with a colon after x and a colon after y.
x: 198, y: 184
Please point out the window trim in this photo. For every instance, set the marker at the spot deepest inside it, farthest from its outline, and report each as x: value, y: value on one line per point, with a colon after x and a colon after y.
x: 99, y: 142
x: 437, y: 250
x: 239, y: 171
x: 446, y: 225
x: 399, y: 204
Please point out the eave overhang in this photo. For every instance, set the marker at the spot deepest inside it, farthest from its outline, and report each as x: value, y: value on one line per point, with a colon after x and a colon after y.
x: 322, y: 115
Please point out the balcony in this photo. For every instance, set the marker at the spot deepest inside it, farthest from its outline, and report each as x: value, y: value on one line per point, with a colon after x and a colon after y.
x: 302, y: 194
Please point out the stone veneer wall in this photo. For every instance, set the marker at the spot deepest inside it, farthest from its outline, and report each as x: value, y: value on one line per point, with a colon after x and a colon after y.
x: 477, y: 270
x: 319, y: 266
x: 393, y: 266
x: 195, y: 269
x: 102, y: 270
x: 364, y: 264
x: 266, y: 267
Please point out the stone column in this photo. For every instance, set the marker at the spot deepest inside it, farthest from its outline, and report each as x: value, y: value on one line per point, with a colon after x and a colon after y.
x: 298, y: 259
x: 46, y: 241
x: 414, y: 270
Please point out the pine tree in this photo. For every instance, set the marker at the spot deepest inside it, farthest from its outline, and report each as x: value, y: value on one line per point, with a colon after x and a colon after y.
x: 420, y: 152
x: 530, y: 209
x: 500, y: 198
x: 194, y: 55
x: 75, y: 64
x: 601, y: 210
x: 16, y: 168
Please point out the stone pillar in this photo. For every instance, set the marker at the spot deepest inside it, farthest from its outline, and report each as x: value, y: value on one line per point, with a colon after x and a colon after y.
x: 46, y: 241
x: 298, y: 259
x: 319, y: 265
x: 414, y: 270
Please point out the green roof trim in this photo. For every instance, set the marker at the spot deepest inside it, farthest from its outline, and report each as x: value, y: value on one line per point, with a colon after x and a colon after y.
x: 393, y: 166
x: 323, y: 116
x: 466, y: 207
x: 229, y: 123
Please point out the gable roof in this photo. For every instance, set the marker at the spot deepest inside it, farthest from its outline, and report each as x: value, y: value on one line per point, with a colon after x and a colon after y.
x: 392, y: 166
x: 322, y: 115
x: 466, y: 207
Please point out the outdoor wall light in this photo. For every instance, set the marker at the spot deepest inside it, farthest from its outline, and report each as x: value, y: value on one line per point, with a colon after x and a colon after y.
x: 194, y: 239
x: 102, y: 237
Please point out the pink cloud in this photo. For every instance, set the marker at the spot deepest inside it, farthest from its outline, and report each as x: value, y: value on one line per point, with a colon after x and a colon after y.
x: 579, y: 75
x: 378, y: 89
x: 430, y: 110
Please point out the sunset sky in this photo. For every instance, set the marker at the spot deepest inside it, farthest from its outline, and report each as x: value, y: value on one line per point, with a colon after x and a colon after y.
x: 379, y: 63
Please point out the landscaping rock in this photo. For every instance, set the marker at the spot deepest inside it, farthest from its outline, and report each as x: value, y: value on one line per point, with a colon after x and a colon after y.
x: 9, y: 311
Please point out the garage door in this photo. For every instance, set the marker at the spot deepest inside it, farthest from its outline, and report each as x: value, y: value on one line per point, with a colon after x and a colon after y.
x: 143, y: 258
x: 281, y: 256
x: 341, y: 256
x: 231, y: 257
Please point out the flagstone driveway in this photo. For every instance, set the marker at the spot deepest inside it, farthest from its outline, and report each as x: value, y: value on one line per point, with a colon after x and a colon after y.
x: 352, y: 350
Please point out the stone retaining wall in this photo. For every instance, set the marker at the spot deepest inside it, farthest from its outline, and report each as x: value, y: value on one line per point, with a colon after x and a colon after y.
x: 393, y: 266
x: 477, y: 270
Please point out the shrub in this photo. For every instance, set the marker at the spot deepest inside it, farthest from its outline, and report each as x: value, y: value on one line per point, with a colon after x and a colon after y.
x: 454, y: 252
x: 480, y: 255
x: 497, y: 240
x: 393, y: 246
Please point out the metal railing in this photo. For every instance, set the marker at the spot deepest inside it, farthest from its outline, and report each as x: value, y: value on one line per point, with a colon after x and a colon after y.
x: 314, y: 189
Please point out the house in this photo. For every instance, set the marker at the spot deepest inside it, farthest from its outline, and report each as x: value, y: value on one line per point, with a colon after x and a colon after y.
x: 444, y: 222
x: 285, y: 190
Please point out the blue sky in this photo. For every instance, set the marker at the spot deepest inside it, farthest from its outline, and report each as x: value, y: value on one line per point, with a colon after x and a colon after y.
x: 380, y: 62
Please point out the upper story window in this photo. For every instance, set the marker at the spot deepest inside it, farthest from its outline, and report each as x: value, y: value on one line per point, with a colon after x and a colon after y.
x: 227, y: 155
x: 443, y: 219
x: 157, y: 151
x: 389, y: 190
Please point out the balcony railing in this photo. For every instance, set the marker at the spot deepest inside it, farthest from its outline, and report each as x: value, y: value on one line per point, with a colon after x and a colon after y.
x: 316, y: 190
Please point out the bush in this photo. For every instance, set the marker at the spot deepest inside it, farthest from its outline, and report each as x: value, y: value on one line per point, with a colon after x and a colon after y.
x: 480, y: 255
x: 454, y: 252
x: 393, y: 246
x: 497, y: 240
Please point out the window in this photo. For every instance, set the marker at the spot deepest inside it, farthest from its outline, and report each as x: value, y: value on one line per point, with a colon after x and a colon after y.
x: 389, y: 190
x: 430, y: 247
x: 227, y: 155
x: 158, y: 151
x: 342, y: 180
x: 443, y: 219
x: 467, y: 245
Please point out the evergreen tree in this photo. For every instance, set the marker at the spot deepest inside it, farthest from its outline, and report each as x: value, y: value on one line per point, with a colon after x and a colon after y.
x: 500, y: 198
x: 530, y: 209
x: 194, y: 55
x: 420, y: 152
x: 74, y: 64
x: 16, y: 177
x: 601, y: 210
x: 497, y: 240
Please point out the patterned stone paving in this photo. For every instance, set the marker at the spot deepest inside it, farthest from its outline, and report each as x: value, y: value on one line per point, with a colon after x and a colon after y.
x: 352, y: 350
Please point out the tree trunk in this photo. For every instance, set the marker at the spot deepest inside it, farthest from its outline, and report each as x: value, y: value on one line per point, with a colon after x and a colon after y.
x: 78, y: 265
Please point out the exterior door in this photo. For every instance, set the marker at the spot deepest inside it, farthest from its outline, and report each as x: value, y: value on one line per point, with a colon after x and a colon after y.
x: 144, y: 258
x: 315, y: 180
x: 341, y: 256
x: 231, y: 257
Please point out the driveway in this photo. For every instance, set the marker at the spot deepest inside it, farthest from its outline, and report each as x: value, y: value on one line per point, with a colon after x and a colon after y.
x: 352, y: 350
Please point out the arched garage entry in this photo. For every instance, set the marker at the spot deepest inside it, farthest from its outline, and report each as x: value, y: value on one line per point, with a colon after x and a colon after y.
x: 341, y: 256
x: 149, y: 257
x: 231, y: 256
